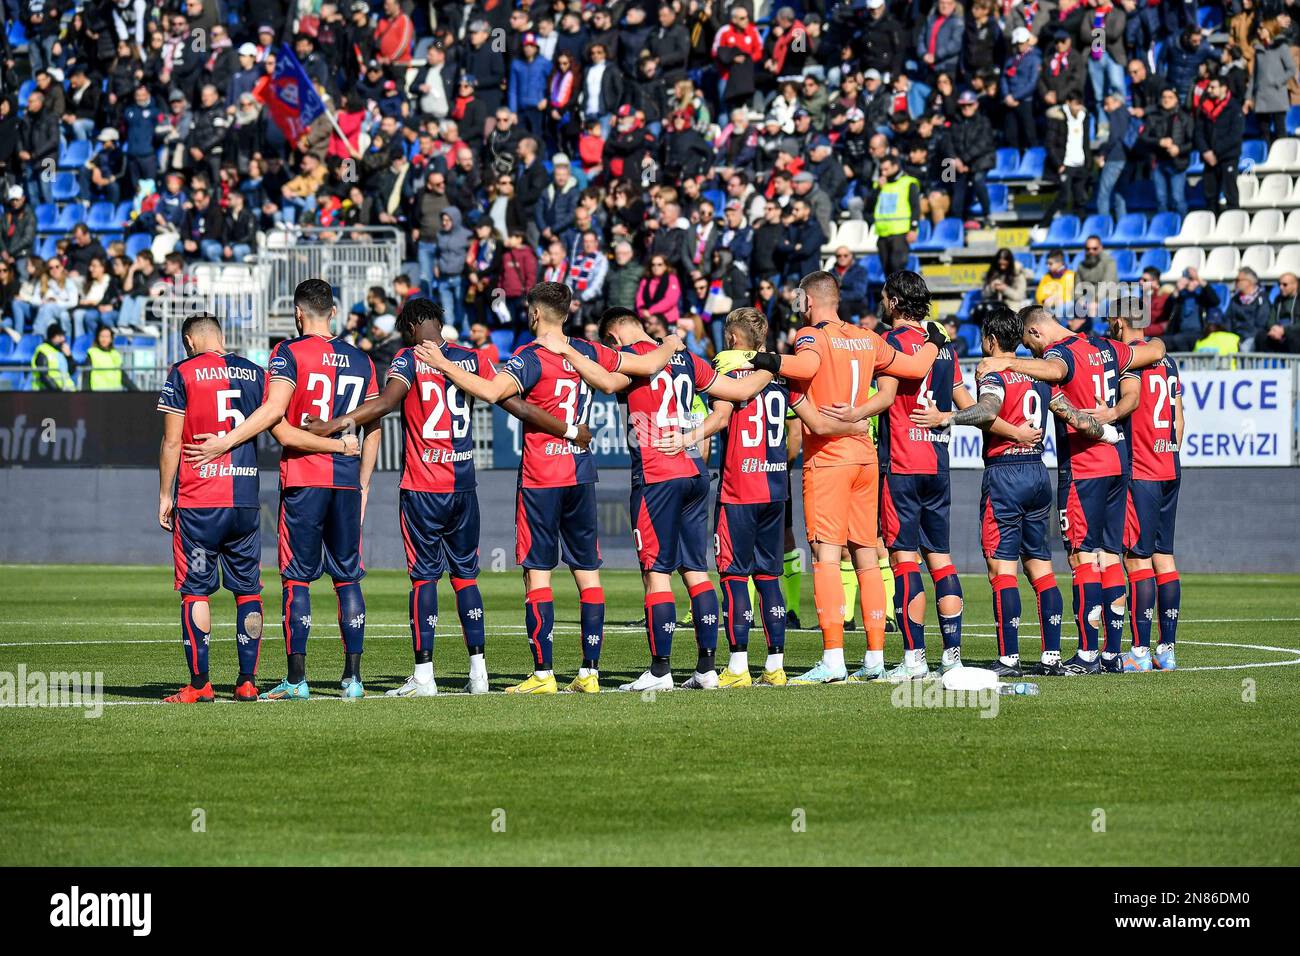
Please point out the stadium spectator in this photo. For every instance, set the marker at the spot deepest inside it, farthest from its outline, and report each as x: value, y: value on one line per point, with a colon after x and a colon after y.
x: 1220, y: 128
x: 896, y: 215
x: 1193, y: 300
x: 1272, y: 70
x: 1247, y: 315
x: 17, y: 228
x: 100, y: 299
x: 105, y: 360
x: 1006, y: 282
x: 852, y: 276
x: 53, y: 367
x: 973, y: 147
x: 1168, y: 135
x: 1055, y: 290
x: 659, y: 293
x: 1021, y: 74
x: 1069, y: 157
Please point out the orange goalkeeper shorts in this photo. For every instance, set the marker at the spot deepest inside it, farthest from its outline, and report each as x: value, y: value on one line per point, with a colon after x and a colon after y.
x: 839, y: 503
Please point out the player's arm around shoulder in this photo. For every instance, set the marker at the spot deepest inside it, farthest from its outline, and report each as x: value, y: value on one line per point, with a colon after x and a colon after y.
x: 492, y: 390
x: 653, y: 362
x: 545, y: 422
x: 1140, y: 354
x: 614, y: 378
x: 207, y: 447
x: 169, y: 461
x: 1050, y: 368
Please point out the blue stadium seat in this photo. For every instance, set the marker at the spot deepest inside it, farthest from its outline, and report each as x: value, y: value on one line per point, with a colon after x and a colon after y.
x: 970, y: 333
x: 1252, y: 151
x: 1209, y: 18
x: 66, y: 187
x: 504, y: 340
x: 103, y: 217
x: 123, y: 212
x: 1223, y: 291
x: 138, y: 243
x: 1005, y: 168
x: 69, y: 216
x: 1026, y: 259
x: 1293, y: 121
x: 913, y: 264
x: 949, y: 234
x: 81, y: 345
x: 1125, y: 264
x: 6, y: 347
x: 47, y: 217
x: 1064, y: 231
x: 875, y: 273
x: 24, y: 91
x: 17, y: 36
x: 717, y: 197
x: 1159, y: 258
x: 999, y: 198
x: 967, y: 304
x: 47, y: 247
x: 1130, y: 230
x: 923, y: 231
x: 1197, y: 165
x: 1096, y: 225
x: 75, y: 154
x: 26, y: 348
x: 1163, y: 225
x: 1031, y: 164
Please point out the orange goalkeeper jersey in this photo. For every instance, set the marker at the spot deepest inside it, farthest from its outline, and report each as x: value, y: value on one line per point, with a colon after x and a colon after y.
x: 838, y: 362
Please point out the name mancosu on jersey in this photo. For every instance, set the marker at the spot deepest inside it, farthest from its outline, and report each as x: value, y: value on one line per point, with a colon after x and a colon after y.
x: 226, y: 373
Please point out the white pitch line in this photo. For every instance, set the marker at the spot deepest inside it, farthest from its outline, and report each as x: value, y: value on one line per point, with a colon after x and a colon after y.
x: 461, y: 694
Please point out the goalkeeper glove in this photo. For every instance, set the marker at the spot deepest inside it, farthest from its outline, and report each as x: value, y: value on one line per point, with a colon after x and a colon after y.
x: 935, y: 334
x: 765, y: 361
x: 731, y: 359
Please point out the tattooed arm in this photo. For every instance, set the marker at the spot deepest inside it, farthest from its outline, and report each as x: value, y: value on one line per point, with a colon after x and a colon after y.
x: 1061, y: 407
x: 981, y: 414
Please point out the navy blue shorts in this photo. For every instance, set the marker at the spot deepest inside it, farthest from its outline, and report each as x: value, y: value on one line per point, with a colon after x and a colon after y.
x: 1092, y: 513
x: 316, y: 520
x: 1152, y: 510
x: 551, y: 523
x: 440, y: 531
x: 750, y: 539
x: 914, y: 512
x: 204, y: 537
x: 670, y: 524
x: 1015, y: 505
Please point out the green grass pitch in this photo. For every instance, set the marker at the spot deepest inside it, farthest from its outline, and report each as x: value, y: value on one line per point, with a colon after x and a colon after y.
x: 1192, y: 767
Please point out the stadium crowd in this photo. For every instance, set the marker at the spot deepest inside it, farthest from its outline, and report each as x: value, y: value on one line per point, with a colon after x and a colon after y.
x: 677, y: 158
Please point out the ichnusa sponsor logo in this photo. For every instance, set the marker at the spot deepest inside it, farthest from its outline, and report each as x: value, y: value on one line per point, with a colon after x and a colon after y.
x: 76, y: 909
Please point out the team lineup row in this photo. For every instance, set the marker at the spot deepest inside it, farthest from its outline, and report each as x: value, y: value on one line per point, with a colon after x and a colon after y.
x: 874, y: 420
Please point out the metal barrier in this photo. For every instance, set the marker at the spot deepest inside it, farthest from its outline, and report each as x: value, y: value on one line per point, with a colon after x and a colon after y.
x: 351, y: 260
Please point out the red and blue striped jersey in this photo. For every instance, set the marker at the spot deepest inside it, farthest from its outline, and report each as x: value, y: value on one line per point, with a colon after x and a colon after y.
x: 438, y: 446
x: 1152, y: 434
x: 330, y: 377
x: 216, y: 393
x: 550, y: 382
x: 755, y: 462
x: 1024, y: 402
x: 908, y: 448
x: 662, y: 403
x: 1093, y: 367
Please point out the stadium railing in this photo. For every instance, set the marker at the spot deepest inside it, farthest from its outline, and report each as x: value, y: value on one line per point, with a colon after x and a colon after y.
x: 350, y: 259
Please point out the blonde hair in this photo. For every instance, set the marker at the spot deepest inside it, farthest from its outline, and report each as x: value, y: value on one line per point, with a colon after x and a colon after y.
x: 747, y: 323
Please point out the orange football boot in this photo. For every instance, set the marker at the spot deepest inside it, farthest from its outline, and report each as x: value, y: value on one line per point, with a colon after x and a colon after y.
x: 192, y: 695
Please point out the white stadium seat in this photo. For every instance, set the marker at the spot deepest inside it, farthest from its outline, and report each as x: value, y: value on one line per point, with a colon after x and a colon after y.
x: 1265, y: 226
x: 1221, y: 264
x: 1283, y: 157
x: 855, y: 234
x: 1259, y: 258
x: 1247, y: 189
x: 1186, y: 258
x: 1287, y: 260
x: 830, y: 244
x: 1196, y: 226
x: 1291, y: 231
x: 1274, y: 191
x: 1229, y: 229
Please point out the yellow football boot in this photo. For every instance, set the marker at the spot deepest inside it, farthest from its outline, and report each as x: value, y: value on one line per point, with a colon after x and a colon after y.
x: 727, y: 679
x: 535, y: 685
x: 774, y: 678
x: 584, y: 685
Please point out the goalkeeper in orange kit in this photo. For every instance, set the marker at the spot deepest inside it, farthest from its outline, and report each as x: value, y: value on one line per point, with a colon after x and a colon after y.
x: 836, y: 362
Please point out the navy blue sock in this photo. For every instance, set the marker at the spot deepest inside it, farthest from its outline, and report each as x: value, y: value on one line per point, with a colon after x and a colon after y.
x: 704, y: 608
x: 248, y: 633
x: 1113, y: 605
x: 771, y: 606
x: 1169, y: 596
x: 1006, y: 613
x: 195, y: 639
x: 592, y: 616
x: 1087, y: 599
x: 736, y: 611
x: 423, y: 609
x: 947, y: 584
x: 539, y: 619
x: 469, y: 605
x: 1142, y: 605
x: 296, y: 596
x: 660, y: 623
x: 352, y: 616
x: 1050, y: 610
